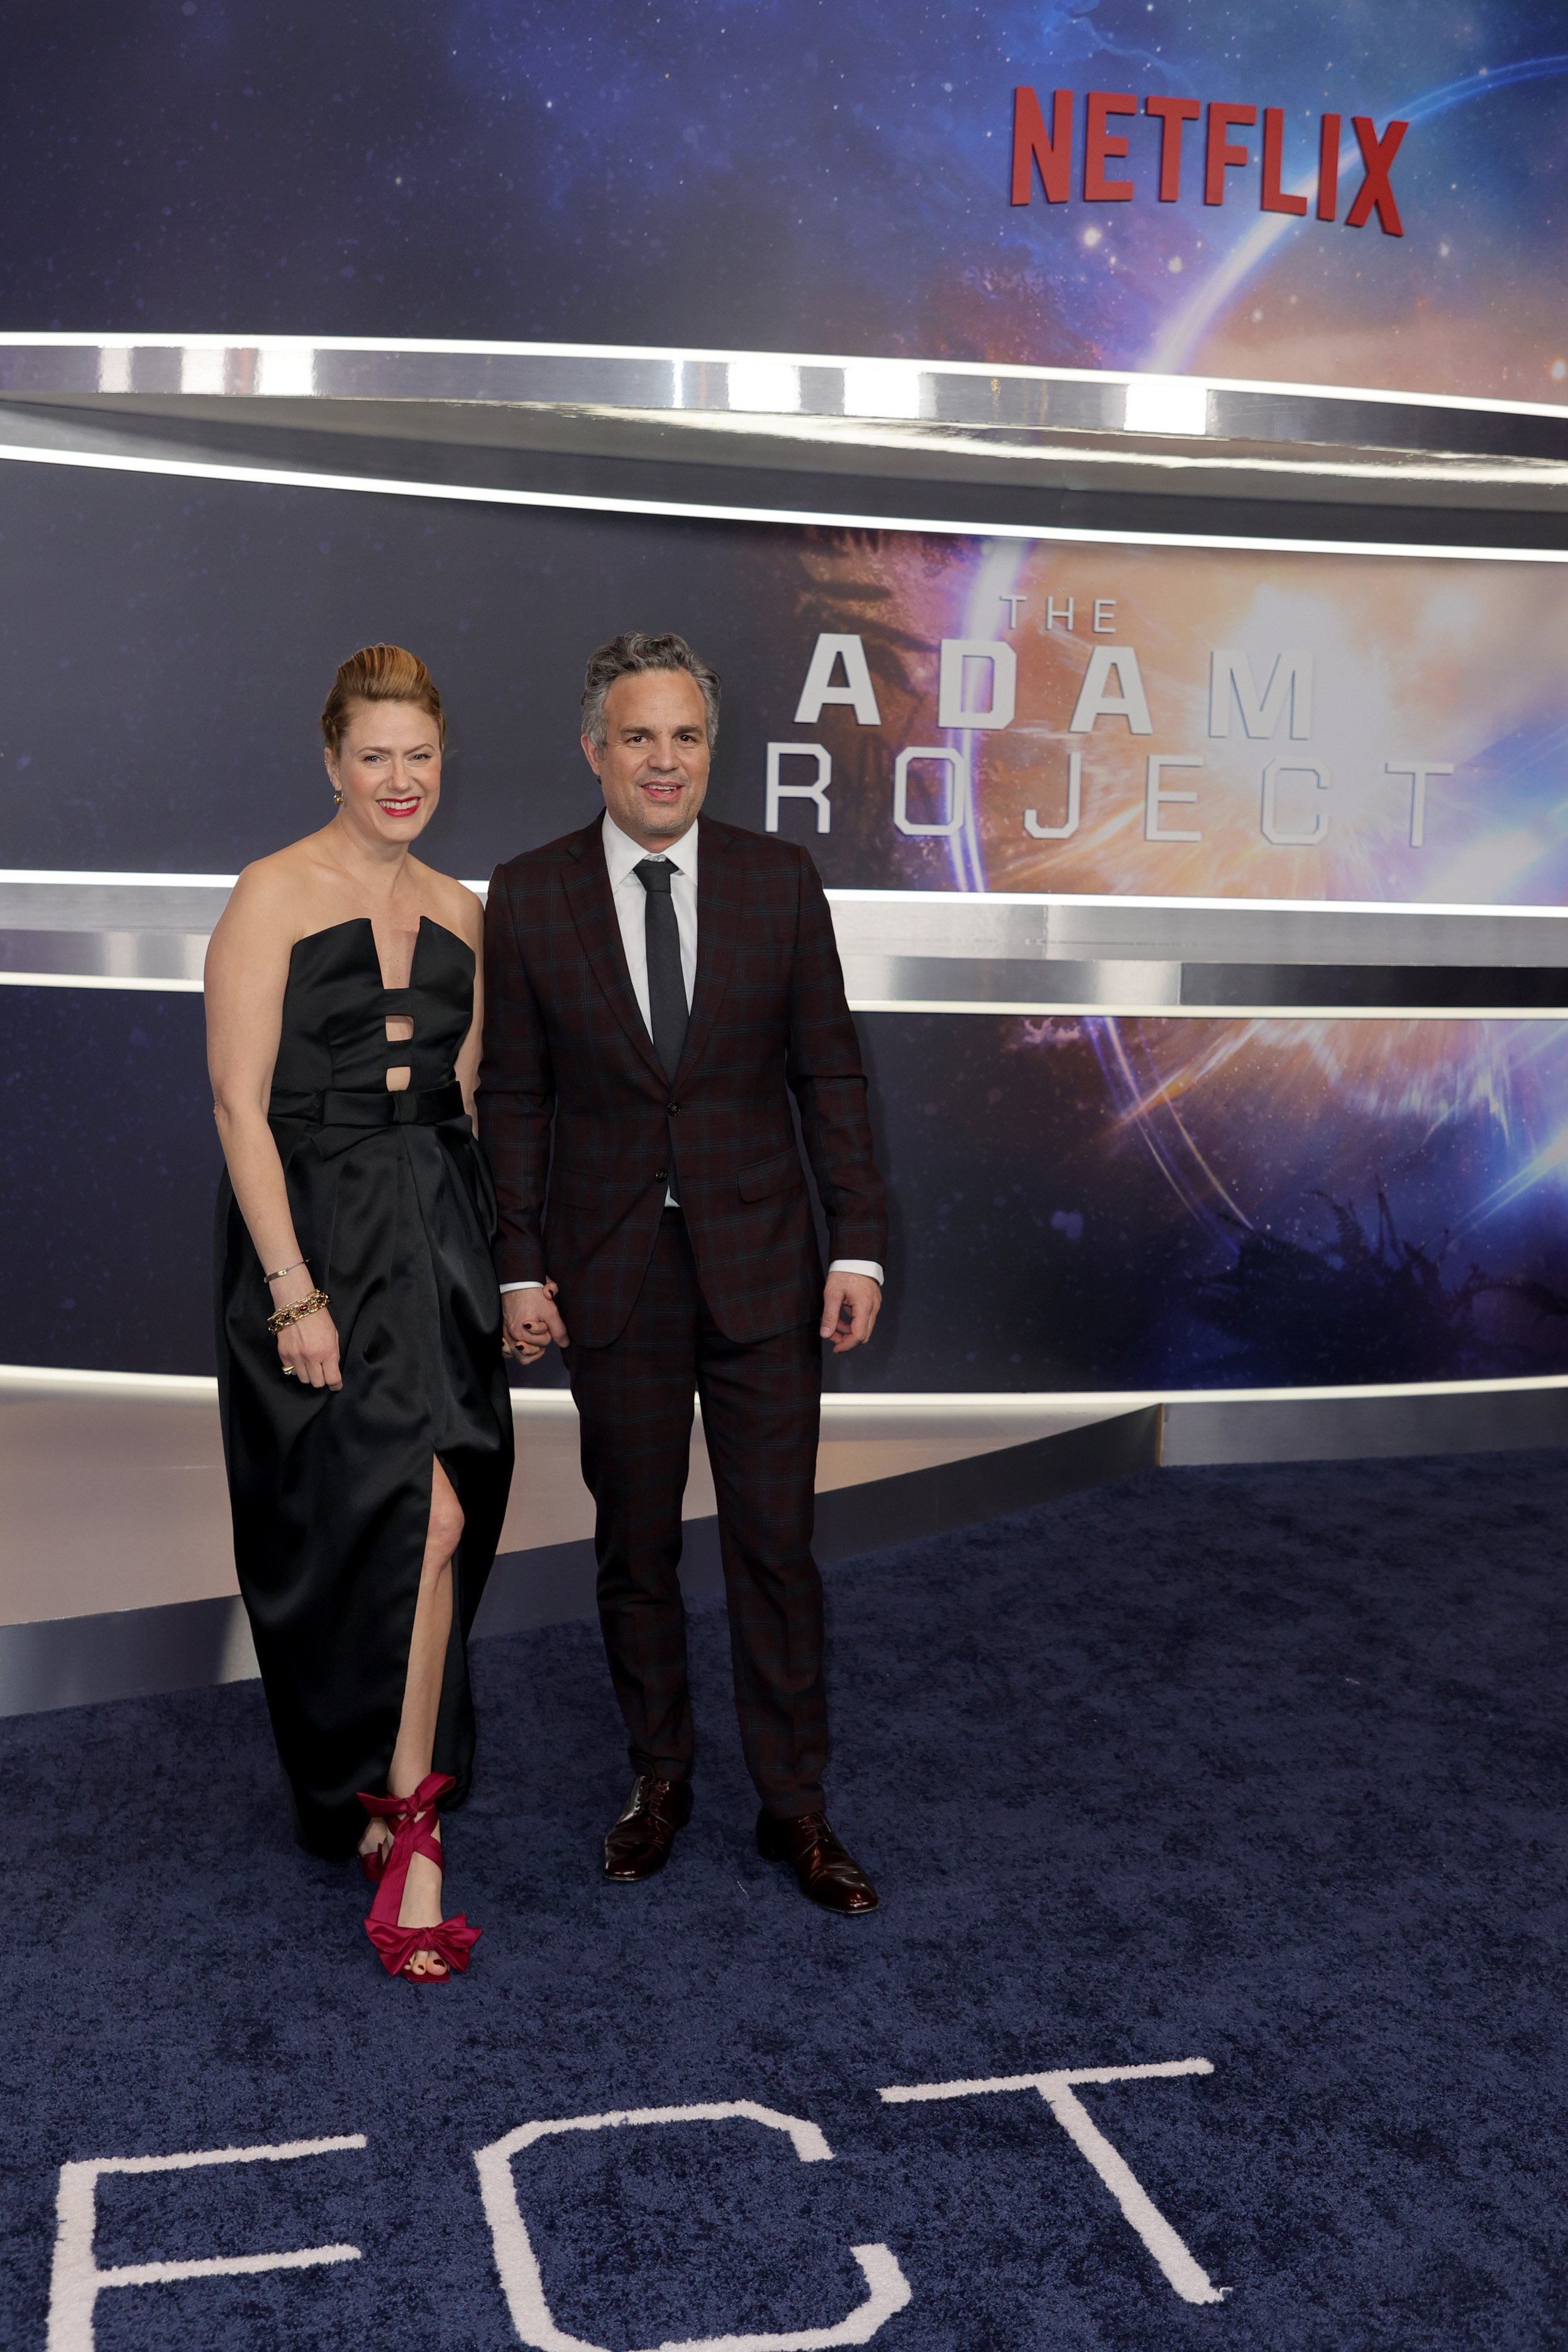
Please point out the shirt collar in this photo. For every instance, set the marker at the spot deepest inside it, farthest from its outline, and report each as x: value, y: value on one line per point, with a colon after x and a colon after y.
x: 622, y: 854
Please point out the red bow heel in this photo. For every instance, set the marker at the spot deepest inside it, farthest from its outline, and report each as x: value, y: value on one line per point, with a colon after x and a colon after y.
x: 408, y: 1817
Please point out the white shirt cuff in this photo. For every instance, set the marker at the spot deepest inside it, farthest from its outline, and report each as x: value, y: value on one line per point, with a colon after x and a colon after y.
x: 519, y: 1286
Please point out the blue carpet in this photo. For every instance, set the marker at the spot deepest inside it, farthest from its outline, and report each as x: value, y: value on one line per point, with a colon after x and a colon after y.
x: 1259, y: 1767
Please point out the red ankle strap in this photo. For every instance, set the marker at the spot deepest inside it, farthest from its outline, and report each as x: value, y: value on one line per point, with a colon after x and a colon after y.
x: 396, y: 1811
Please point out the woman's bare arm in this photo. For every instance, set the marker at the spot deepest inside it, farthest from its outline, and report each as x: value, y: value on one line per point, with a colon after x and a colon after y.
x: 468, y: 1065
x: 247, y: 974
x: 472, y: 915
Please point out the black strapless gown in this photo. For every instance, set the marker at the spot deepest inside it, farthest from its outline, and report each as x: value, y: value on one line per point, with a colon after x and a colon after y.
x: 394, y: 1208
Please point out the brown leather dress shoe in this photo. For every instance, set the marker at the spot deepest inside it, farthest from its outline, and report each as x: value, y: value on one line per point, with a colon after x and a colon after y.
x: 829, y: 1873
x: 638, y: 1841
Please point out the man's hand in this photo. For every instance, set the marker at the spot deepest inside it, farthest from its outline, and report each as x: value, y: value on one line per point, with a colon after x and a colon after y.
x: 850, y: 1306
x: 531, y: 1321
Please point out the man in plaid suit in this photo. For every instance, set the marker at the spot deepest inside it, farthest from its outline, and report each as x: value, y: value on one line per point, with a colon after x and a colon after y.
x: 657, y: 988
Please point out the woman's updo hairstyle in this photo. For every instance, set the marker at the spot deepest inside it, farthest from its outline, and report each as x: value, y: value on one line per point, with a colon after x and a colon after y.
x: 380, y: 674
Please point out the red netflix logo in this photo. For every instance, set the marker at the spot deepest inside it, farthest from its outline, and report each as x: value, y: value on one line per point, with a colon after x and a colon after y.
x: 1047, y: 152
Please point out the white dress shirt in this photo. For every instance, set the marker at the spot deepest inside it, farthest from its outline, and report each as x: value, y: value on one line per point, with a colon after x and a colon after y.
x: 623, y: 856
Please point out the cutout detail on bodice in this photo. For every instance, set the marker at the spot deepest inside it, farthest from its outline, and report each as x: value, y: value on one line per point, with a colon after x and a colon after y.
x: 344, y: 1027
x: 399, y: 1025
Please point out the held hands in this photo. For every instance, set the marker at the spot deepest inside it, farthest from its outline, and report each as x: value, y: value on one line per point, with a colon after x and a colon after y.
x: 850, y: 1306
x: 531, y: 1320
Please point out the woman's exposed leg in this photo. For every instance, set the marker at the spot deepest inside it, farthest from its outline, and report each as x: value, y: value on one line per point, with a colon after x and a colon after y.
x: 421, y: 1905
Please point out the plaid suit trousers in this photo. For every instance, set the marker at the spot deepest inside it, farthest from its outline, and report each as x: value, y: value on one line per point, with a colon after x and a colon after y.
x: 761, y: 1406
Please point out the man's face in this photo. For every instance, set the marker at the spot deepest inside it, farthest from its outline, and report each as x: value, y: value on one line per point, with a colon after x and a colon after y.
x: 654, y: 764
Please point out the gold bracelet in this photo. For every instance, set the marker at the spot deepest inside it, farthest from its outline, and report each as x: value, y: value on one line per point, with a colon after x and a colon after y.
x: 299, y: 1262
x: 284, y: 1315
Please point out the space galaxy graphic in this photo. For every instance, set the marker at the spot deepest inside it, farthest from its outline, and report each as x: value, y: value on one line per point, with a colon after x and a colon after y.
x: 796, y: 175
x: 1146, y: 1203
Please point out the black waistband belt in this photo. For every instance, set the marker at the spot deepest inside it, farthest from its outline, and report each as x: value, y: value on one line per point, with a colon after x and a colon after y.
x: 372, y: 1106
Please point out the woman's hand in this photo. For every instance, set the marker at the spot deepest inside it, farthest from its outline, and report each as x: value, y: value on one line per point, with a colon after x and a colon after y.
x: 307, y: 1351
x: 309, y: 1348
x: 527, y: 1317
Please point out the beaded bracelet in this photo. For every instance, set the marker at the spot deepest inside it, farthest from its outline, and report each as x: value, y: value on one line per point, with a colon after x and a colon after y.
x: 284, y: 1315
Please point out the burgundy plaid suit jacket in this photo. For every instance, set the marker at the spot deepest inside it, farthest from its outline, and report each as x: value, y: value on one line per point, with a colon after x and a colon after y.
x: 565, y: 1040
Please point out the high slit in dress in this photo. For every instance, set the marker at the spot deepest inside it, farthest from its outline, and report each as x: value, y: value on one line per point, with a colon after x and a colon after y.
x: 395, y: 1212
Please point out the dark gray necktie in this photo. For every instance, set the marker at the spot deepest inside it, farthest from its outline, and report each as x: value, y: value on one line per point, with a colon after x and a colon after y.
x: 666, y: 981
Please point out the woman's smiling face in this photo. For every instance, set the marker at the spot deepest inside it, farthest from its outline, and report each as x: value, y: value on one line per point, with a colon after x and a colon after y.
x: 388, y: 768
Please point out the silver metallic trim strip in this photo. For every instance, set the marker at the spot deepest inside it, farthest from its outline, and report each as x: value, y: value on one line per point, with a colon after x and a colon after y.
x: 140, y: 956
x: 657, y: 378
x: 903, y: 947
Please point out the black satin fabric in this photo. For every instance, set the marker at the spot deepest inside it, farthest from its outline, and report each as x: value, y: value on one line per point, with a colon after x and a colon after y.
x: 393, y: 1209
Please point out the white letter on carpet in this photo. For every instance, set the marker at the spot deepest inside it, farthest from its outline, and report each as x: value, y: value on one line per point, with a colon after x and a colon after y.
x: 77, y: 2282
x: 1190, y: 2281
x: 523, y: 2286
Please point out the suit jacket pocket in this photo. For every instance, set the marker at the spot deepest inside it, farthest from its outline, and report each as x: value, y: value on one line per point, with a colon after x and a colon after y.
x: 574, y: 1188
x: 781, y: 1173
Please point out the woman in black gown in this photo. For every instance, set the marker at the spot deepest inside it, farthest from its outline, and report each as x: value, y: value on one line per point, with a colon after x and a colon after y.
x: 367, y: 1424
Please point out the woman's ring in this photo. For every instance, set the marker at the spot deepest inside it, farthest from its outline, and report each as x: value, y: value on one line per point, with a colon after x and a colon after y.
x: 288, y: 1371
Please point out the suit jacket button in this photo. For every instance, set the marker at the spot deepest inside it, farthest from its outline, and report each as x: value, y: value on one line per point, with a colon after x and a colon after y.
x: 661, y: 1175
x: 672, y: 1109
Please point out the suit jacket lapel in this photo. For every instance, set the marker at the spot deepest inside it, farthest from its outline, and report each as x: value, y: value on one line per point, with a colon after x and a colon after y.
x: 720, y: 913
x: 591, y: 901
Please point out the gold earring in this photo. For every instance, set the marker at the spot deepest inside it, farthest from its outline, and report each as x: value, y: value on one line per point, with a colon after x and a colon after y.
x: 337, y: 796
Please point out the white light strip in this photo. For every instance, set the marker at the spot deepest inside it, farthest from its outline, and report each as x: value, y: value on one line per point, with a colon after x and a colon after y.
x: 962, y: 1403
x: 1080, y: 1010
x: 190, y: 1387
x: 789, y: 517
x: 98, y: 979
x: 82, y: 877
x: 75, y: 877
x: 1066, y: 898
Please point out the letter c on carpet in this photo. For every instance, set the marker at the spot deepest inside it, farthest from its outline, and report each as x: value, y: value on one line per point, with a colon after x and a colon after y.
x: 522, y: 2284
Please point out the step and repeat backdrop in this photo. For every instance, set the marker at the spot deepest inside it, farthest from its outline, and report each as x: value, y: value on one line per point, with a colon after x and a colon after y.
x: 1080, y: 1202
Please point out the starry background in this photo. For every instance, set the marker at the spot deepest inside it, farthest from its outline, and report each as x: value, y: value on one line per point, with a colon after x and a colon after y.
x: 783, y: 174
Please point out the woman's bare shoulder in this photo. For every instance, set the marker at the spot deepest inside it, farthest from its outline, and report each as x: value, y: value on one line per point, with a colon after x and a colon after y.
x: 272, y: 898
x: 279, y: 876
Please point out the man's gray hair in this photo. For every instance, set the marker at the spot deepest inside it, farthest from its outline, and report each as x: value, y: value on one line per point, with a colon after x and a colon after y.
x: 623, y: 656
